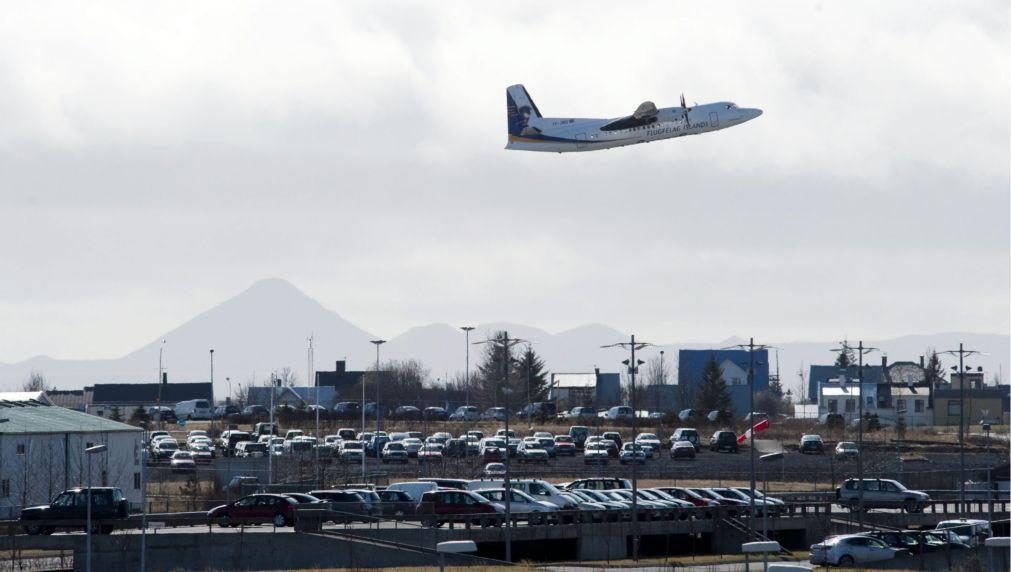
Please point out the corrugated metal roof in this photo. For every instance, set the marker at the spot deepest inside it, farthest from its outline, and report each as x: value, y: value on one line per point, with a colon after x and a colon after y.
x: 39, y: 396
x: 34, y: 417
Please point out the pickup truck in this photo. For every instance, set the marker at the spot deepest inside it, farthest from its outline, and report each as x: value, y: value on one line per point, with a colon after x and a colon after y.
x: 69, y: 510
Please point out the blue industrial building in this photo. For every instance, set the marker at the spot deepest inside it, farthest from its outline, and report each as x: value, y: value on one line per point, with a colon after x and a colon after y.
x: 820, y: 374
x: 691, y: 364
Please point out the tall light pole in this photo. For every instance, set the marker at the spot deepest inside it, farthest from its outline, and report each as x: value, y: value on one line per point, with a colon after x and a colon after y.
x: 270, y: 441
x: 633, y: 366
x: 212, y: 390
x: 466, y: 371
x: 88, y: 453
x: 506, y: 343
x: 377, y: 343
x: 161, y: 376
x: 961, y: 352
x: 315, y: 383
x: 861, y: 351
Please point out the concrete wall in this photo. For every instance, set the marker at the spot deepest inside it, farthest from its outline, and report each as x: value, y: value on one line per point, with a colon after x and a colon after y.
x: 244, y: 551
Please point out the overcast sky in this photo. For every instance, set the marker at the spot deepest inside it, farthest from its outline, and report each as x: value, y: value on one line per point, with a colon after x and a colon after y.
x: 155, y: 161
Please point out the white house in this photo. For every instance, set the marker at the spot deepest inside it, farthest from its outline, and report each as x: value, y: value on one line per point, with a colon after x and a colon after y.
x: 42, y: 454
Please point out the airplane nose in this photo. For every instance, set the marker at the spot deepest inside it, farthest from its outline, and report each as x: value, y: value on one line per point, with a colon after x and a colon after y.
x: 750, y: 113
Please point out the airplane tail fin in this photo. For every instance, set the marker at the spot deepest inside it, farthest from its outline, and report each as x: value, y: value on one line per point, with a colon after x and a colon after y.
x: 519, y: 108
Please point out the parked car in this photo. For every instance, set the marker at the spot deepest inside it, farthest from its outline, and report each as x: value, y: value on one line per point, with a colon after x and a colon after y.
x: 162, y: 413
x: 531, y: 450
x: 435, y: 414
x: 493, y: 449
x: 538, y: 489
x: 193, y: 409
x: 599, y: 484
x: 520, y: 503
x: 494, y: 470
x: 612, y: 436
x: 351, y: 452
x: 547, y: 443
x: 430, y: 453
x: 632, y: 453
x: 347, y: 410
x: 880, y: 493
x: 395, y: 504
x: 250, y: 449
x: 580, y: 414
x: 441, y: 506
x: 687, y: 434
x: 899, y: 539
x: 846, y: 450
x: 689, y: 495
x: 202, y: 452
x: 972, y: 532
x: 226, y: 411
x: 579, y: 433
x: 182, y: 462
x: 455, y: 448
x: 812, y: 444
x: 682, y: 450
x: 70, y: 507
x: 415, y: 489
x: 394, y: 452
x: 619, y: 413
x: 259, y: 508
x: 564, y: 446
x: 163, y: 449
x: 466, y: 413
x: 407, y: 413
x: 595, y: 454
x: 494, y: 414
x: 649, y: 440
x: 345, y: 506
x: 723, y: 441
x: 853, y: 550
x: 255, y: 410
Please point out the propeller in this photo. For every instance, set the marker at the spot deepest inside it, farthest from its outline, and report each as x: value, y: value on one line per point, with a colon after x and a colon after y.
x: 684, y: 109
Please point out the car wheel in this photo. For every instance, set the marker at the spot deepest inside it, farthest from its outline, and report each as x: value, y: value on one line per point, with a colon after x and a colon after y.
x: 225, y: 521
x: 912, y: 506
x: 279, y: 520
x: 33, y: 529
x: 845, y: 561
x: 108, y: 528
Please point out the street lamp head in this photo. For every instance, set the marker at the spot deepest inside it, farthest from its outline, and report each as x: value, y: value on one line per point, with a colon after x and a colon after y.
x: 96, y: 449
x: 625, y: 361
x: 467, y: 328
x: 378, y: 342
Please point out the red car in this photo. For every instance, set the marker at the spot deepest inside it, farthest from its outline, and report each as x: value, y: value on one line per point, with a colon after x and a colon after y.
x: 256, y: 509
x: 565, y: 445
x: 688, y: 495
x: 445, y: 505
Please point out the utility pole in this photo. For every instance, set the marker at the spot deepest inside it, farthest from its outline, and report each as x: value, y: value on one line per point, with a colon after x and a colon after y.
x: 466, y: 371
x: 961, y: 352
x: 311, y: 372
x: 861, y: 351
x: 506, y: 343
x: 633, y: 366
x: 213, y: 424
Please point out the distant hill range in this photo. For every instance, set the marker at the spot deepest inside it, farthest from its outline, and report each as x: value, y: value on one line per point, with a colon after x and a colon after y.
x: 267, y: 327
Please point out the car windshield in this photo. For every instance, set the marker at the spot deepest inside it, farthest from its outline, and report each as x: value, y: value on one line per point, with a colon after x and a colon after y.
x: 352, y: 445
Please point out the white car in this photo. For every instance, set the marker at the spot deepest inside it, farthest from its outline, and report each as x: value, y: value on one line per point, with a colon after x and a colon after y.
x: 853, y: 550
x: 183, y: 461
x: 351, y: 452
x: 530, y: 450
x: 649, y: 440
x: 595, y: 454
x: 412, y: 446
x: 494, y: 470
x: 618, y: 413
x: 394, y: 452
x: 632, y: 453
x: 972, y: 532
x: 520, y: 503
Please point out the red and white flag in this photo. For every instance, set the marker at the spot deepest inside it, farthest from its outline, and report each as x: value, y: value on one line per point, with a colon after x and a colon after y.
x: 758, y: 428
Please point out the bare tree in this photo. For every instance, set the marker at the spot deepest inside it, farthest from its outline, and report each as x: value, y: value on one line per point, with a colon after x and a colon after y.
x: 36, y: 382
x: 287, y: 376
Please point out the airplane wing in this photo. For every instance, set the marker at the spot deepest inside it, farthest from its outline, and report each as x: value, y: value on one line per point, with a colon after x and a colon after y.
x: 643, y: 115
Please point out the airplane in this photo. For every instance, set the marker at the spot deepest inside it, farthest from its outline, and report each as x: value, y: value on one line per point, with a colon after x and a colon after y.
x: 530, y: 131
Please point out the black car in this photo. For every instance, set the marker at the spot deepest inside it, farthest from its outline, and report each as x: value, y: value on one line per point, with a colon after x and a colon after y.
x: 226, y: 411
x: 163, y: 414
x: 407, y: 413
x: 396, y: 504
x: 454, y: 448
x: 345, y: 506
x: 70, y: 507
x: 896, y: 539
x: 811, y: 444
x: 723, y: 441
x: 435, y: 414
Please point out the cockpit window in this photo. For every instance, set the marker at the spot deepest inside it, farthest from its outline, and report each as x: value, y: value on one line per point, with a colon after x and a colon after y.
x: 731, y: 106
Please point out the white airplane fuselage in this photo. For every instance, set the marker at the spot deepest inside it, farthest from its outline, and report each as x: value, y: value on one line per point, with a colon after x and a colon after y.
x: 565, y: 134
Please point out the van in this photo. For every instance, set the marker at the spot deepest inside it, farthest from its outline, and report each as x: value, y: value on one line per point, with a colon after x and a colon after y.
x: 540, y: 490
x: 619, y: 413
x: 414, y: 488
x: 193, y: 409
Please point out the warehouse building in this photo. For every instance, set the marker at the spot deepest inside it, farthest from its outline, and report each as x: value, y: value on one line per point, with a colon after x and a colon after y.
x: 42, y: 453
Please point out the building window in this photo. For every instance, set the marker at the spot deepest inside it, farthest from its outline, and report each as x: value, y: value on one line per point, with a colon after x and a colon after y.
x: 105, y: 478
x: 954, y: 407
x: 851, y: 406
x: 900, y: 405
x: 918, y: 406
x: 136, y: 481
x: 21, y: 449
x: 5, y: 488
x: 833, y: 406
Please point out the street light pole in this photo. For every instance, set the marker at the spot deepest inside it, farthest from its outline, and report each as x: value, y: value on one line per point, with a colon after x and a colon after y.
x: 633, y: 365
x: 212, y: 391
x: 88, y: 453
x: 861, y: 351
x: 961, y: 352
x: 377, y: 343
x: 466, y: 372
x: 161, y: 377
x: 506, y: 343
